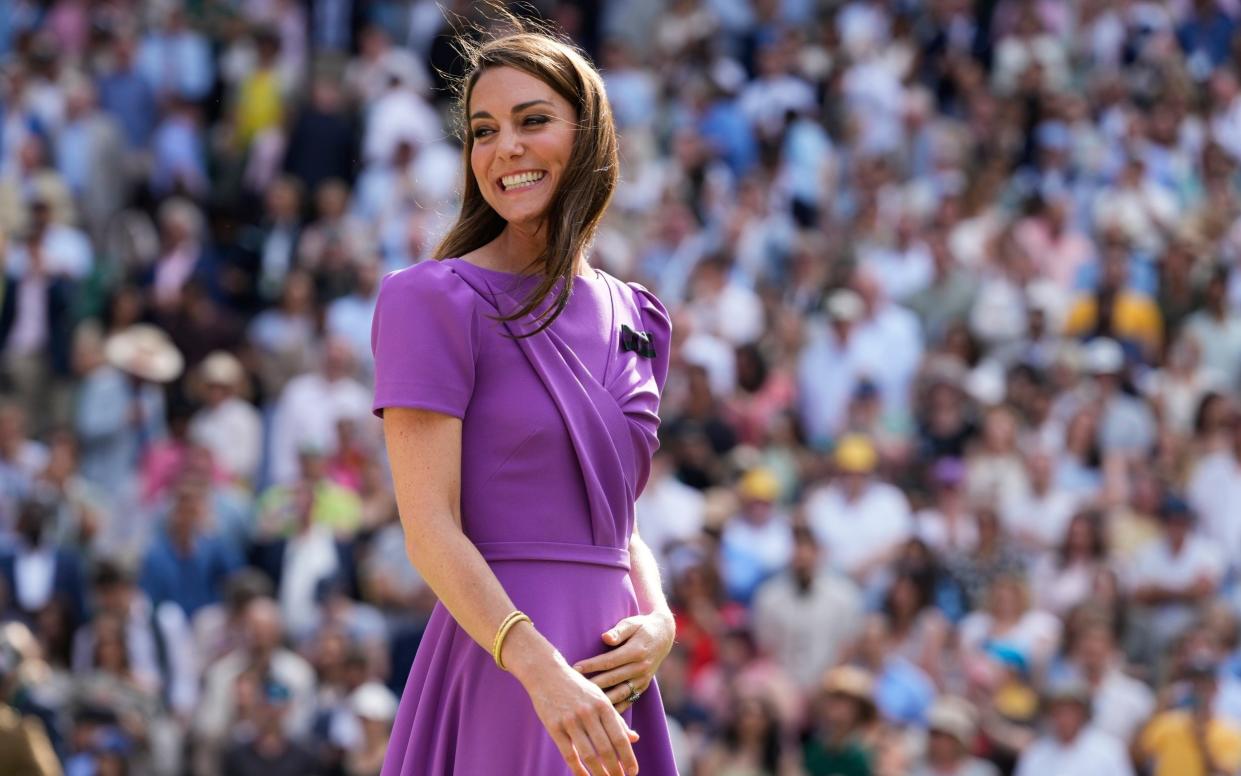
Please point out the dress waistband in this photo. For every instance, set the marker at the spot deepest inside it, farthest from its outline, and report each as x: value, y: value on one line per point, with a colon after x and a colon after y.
x: 617, y: 557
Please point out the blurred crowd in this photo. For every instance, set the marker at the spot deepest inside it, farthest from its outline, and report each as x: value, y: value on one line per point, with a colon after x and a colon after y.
x: 949, y: 446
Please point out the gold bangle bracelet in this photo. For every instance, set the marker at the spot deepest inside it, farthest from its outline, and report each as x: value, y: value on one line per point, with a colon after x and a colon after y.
x: 505, y: 627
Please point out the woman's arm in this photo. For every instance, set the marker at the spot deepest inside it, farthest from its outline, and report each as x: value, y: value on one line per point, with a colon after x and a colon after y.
x: 644, y: 572
x: 636, y: 645
x: 424, y: 448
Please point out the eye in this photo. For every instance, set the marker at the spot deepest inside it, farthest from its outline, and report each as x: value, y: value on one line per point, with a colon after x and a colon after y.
x: 482, y: 132
x: 531, y: 121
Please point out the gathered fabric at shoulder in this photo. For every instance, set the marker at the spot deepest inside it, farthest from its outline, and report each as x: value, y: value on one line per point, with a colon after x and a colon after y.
x: 657, y: 323
x: 425, y: 339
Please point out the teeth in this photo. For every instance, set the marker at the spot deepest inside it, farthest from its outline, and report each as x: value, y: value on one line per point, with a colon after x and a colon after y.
x: 512, y: 181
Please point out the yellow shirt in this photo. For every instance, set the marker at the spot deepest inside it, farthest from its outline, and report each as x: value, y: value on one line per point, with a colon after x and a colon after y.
x: 1135, y: 317
x: 259, y: 105
x: 1169, y: 743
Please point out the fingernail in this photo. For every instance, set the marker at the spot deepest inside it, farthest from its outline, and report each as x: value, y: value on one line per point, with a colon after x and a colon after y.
x: 577, y: 666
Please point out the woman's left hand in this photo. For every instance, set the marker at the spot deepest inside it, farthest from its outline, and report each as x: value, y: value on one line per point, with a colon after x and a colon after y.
x: 639, y: 644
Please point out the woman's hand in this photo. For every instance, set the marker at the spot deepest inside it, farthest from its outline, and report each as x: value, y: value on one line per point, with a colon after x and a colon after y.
x: 589, y: 732
x: 640, y: 643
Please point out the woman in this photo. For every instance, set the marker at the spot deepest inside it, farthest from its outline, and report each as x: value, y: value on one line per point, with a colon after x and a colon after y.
x: 519, y: 443
x: 1066, y: 578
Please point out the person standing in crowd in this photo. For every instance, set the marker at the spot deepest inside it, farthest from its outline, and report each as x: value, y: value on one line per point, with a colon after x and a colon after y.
x: 540, y: 167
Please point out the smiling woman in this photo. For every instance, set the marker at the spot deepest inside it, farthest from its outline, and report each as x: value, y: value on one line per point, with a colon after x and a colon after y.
x: 540, y: 164
x: 519, y: 444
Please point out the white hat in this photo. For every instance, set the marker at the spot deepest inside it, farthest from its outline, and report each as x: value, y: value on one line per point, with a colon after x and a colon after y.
x: 146, y: 352
x: 845, y: 305
x: 221, y: 368
x: 373, y: 701
x: 1104, y: 356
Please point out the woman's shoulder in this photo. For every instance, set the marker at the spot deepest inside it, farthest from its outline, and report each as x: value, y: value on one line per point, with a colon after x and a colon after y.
x: 432, y: 275
x: 433, y: 283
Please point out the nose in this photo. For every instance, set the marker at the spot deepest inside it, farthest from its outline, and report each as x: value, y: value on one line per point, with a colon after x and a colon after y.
x: 510, y: 144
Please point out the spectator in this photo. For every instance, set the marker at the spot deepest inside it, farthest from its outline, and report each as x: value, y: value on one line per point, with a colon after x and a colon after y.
x: 1191, y: 739
x: 756, y: 542
x: 951, y: 733
x: 1071, y: 746
x: 805, y: 616
x: 860, y: 519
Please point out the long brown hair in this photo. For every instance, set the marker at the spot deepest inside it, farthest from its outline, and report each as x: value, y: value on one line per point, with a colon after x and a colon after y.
x: 590, y: 176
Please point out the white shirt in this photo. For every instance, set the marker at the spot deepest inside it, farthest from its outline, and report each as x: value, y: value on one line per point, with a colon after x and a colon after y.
x: 1214, y: 491
x: 1157, y: 564
x: 29, y: 332
x: 308, y: 558
x: 668, y: 511
x: 805, y: 633
x: 1042, y: 516
x: 34, y: 572
x: 307, y: 413
x: 1092, y: 753
x: 1121, y: 705
x: 855, y: 532
x: 233, y: 432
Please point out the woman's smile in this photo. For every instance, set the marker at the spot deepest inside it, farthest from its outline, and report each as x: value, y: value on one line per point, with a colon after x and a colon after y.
x: 521, y: 181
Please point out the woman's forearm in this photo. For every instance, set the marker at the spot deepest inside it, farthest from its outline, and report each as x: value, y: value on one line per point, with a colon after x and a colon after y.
x: 644, y: 573
x: 460, y: 577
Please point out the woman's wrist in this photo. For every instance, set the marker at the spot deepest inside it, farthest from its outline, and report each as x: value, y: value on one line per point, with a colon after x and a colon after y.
x: 526, y: 651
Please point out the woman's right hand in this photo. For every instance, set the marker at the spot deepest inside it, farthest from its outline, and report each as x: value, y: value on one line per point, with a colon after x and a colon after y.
x: 591, y: 735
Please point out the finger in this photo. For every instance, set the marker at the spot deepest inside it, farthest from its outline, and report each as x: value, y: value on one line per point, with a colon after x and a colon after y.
x: 585, y: 750
x: 621, y: 631
x: 631, y: 671
x: 609, y: 758
x: 564, y: 743
x: 618, y: 731
x: 614, y: 659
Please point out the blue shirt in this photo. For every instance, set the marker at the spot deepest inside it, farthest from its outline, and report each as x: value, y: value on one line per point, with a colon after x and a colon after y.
x: 191, y: 581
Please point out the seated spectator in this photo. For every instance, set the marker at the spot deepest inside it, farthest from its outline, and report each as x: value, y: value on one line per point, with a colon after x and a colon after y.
x: 1172, y: 577
x: 860, y: 519
x: 188, y: 561
x: 230, y: 687
x: 36, y: 572
x: 1071, y: 747
x: 844, y: 707
x: 229, y: 426
x: 159, y: 649
x: 805, y: 616
x: 952, y: 730
x: 271, y: 752
x: 757, y: 542
x: 1189, y: 739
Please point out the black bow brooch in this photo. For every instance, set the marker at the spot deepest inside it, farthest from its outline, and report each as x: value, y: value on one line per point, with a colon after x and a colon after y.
x: 637, y: 341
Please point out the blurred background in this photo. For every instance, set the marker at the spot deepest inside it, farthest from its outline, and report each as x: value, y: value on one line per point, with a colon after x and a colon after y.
x: 950, y: 476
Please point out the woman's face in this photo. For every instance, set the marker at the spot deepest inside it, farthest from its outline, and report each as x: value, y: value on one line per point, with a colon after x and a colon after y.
x: 523, y: 134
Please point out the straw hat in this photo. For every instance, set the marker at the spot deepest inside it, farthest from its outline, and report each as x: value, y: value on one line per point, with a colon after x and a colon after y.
x: 145, y: 352
x: 955, y: 717
x: 851, y: 682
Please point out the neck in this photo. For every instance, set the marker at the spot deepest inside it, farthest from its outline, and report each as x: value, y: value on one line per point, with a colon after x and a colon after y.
x: 521, y: 245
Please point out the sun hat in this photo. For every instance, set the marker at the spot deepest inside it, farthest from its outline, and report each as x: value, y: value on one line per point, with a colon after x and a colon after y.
x: 146, y: 352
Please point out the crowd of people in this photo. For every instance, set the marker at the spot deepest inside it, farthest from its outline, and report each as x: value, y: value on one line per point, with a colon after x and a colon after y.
x: 949, y: 446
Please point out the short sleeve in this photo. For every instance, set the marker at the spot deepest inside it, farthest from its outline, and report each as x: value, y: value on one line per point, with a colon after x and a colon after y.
x: 424, y: 337
x: 658, y: 324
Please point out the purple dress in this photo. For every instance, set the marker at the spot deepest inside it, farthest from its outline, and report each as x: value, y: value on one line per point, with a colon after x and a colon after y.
x: 557, y: 435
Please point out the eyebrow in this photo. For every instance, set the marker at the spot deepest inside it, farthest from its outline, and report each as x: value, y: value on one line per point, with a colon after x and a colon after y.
x: 482, y: 114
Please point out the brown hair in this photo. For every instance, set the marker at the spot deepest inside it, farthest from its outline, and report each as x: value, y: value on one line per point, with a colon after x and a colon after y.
x: 590, y: 176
